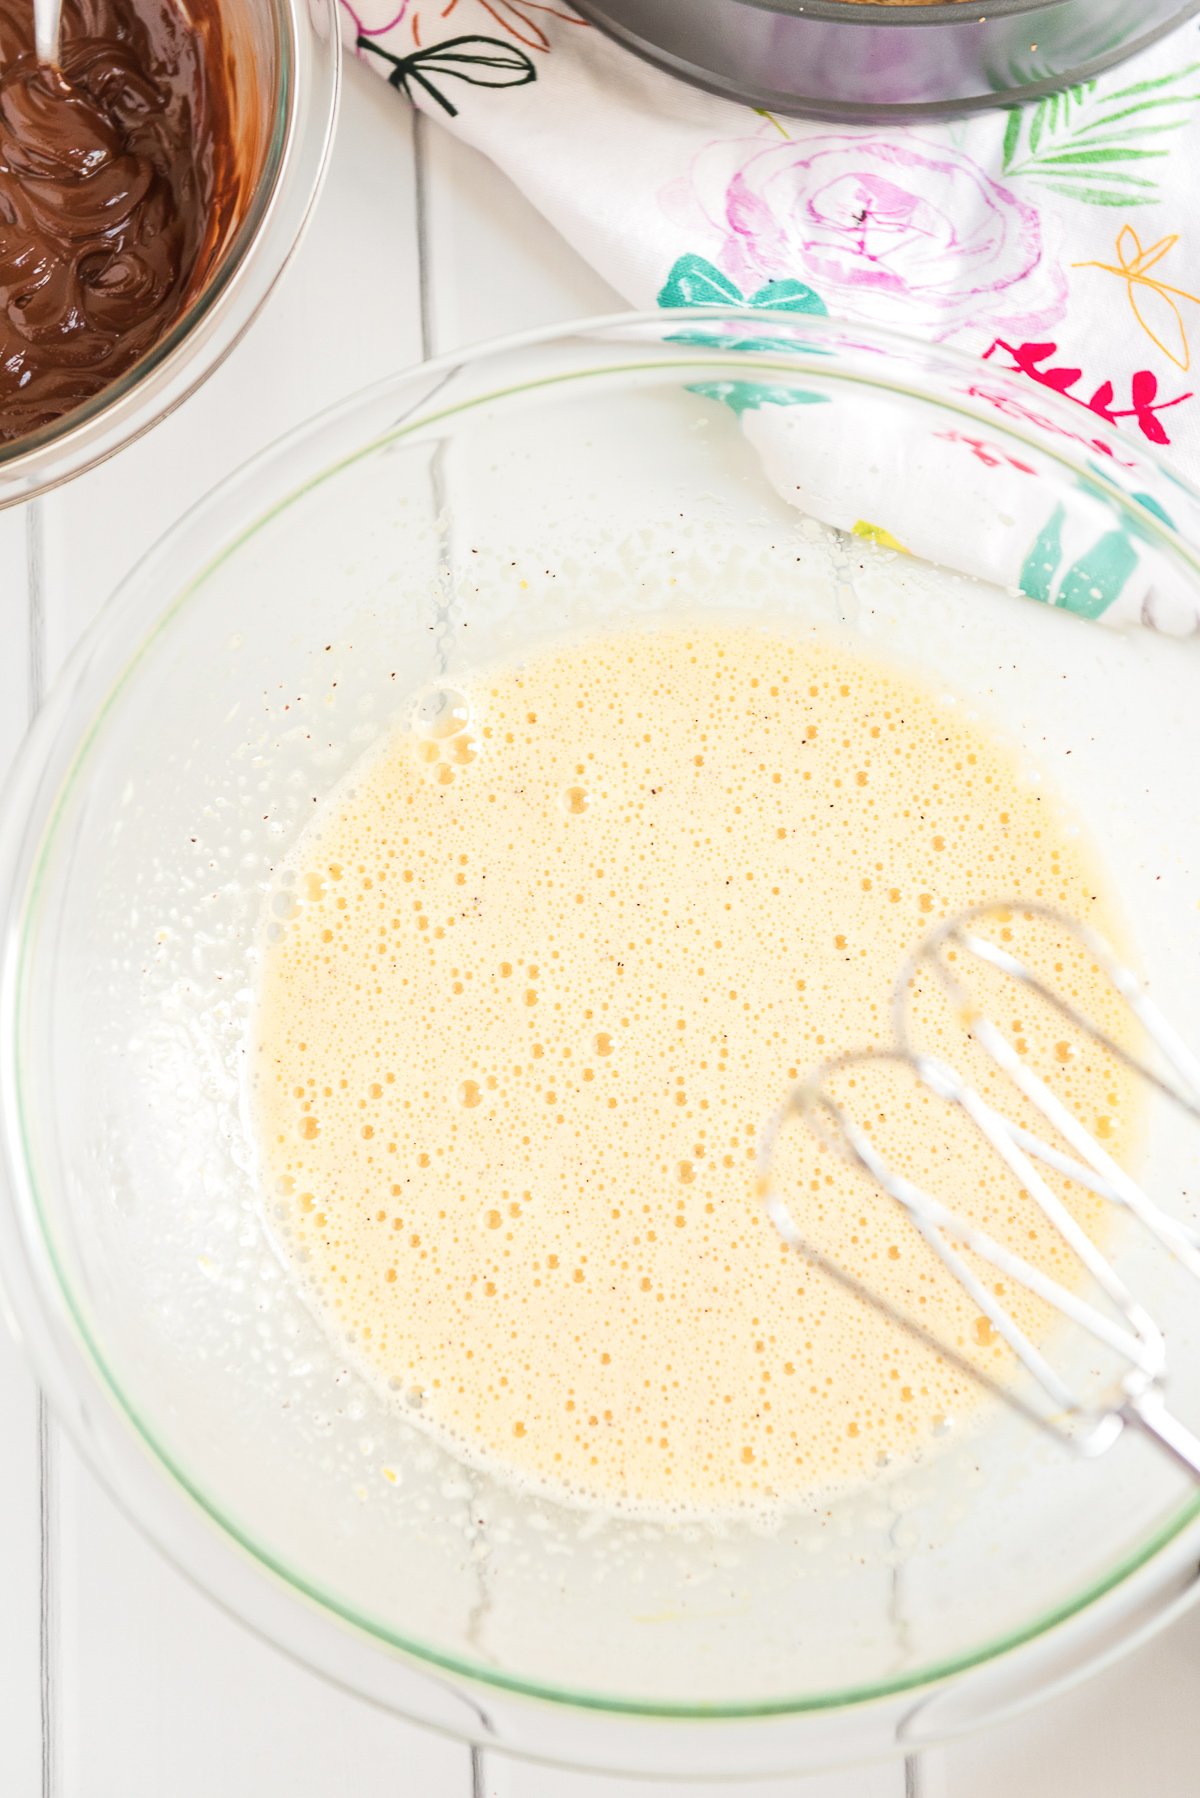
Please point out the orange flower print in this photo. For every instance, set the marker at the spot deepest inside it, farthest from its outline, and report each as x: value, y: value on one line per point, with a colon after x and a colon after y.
x: 521, y: 19
x: 1152, y: 300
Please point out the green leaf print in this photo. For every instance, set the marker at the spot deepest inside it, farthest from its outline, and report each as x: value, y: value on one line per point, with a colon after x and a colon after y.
x: 1092, y: 583
x: 1154, y: 506
x: 1036, y: 579
x: 1074, y: 142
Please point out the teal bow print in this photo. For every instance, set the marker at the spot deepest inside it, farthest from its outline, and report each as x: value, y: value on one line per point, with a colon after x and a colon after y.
x: 695, y: 281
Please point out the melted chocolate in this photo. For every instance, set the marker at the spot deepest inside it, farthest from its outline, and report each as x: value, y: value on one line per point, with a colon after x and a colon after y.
x: 116, y: 181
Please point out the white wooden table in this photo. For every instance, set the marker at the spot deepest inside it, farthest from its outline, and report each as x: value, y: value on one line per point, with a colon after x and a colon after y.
x: 117, y: 1679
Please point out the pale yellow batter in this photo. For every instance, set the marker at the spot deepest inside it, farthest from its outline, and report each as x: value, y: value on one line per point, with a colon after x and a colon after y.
x: 551, y: 957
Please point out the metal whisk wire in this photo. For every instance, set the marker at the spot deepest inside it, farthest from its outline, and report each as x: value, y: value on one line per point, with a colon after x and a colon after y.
x: 47, y: 31
x: 1107, y: 1177
x: 1132, y: 1333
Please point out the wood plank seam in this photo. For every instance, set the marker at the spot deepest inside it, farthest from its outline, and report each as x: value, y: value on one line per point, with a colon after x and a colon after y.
x: 36, y: 681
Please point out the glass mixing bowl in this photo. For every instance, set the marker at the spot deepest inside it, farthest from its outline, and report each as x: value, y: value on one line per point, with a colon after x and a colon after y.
x: 472, y: 509
x: 284, y: 62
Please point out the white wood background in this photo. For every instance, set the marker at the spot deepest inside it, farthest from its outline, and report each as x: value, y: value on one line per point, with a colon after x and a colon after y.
x: 117, y: 1680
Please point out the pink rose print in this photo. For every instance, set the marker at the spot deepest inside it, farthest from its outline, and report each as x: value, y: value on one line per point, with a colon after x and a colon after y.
x: 896, y: 230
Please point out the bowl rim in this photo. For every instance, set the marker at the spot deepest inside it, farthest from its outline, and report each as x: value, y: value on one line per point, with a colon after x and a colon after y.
x: 906, y: 12
x: 35, y: 1293
x: 304, y: 114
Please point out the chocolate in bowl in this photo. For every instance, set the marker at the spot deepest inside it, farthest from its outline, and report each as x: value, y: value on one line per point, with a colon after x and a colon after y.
x: 129, y: 295
x: 118, y: 175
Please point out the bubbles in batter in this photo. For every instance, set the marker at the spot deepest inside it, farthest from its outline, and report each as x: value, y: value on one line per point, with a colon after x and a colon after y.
x: 546, y: 962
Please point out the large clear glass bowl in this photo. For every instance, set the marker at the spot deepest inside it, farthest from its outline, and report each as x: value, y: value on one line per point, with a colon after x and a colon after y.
x: 284, y: 64
x: 471, y: 509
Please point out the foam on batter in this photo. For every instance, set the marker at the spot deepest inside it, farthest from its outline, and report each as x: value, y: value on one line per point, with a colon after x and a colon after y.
x: 532, y: 980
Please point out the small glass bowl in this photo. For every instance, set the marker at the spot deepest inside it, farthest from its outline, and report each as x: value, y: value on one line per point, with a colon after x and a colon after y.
x: 284, y: 58
x: 678, y: 464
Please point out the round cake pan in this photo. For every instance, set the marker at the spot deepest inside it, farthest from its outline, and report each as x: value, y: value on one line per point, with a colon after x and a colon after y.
x: 852, y: 59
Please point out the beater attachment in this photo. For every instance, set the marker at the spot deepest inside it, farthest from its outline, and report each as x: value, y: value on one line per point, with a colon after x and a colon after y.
x: 1119, y: 1326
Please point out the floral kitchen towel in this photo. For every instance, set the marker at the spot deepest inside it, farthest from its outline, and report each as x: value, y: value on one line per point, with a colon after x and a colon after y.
x: 1056, y: 240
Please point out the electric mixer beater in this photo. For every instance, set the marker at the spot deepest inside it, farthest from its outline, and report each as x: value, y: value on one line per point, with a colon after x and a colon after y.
x: 1133, y: 1395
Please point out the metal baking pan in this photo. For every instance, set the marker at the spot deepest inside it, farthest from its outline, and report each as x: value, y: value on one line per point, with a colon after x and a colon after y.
x: 852, y: 59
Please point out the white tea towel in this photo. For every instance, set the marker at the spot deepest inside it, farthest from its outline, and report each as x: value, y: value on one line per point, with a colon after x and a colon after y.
x: 1055, y: 241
